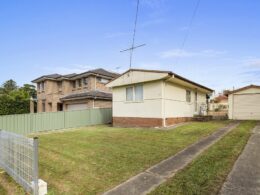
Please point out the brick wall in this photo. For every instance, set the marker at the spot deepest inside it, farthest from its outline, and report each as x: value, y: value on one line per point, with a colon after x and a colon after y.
x: 102, y: 87
x: 173, y: 121
x: 137, y: 122
x: 102, y: 104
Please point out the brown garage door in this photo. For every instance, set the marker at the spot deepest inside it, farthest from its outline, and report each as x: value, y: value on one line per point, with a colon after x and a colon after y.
x: 247, y: 107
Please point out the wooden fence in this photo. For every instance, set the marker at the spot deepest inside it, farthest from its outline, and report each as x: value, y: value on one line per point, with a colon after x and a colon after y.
x: 30, y: 123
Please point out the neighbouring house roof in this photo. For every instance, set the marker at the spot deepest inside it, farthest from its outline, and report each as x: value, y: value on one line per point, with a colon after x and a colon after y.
x: 98, y: 72
x: 50, y: 76
x: 220, y: 98
x: 244, y: 88
x: 88, y: 95
x: 163, y: 73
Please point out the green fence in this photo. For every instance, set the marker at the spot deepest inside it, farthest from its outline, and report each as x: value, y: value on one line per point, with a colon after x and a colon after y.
x: 30, y: 123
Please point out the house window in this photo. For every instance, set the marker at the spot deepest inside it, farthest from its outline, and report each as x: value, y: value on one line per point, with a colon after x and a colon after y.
x: 59, y: 85
x: 85, y: 81
x: 41, y: 86
x: 139, y: 93
x: 129, y: 94
x: 38, y: 86
x: 188, y: 96
x: 74, y: 84
x: 59, y: 106
x: 79, y: 83
x: 102, y: 80
x: 134, y: 93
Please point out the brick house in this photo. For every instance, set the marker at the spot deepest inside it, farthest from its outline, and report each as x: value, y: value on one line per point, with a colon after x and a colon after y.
x: 57, y: 92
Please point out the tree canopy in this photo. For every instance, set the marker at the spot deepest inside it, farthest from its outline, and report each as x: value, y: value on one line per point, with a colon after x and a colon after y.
x: 15, y: 99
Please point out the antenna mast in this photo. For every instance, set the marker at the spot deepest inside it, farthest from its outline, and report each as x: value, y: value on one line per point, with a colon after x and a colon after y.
x: 133, y: 47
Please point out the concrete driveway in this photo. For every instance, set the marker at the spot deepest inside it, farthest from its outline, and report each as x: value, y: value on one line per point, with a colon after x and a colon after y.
x: 244, y: 179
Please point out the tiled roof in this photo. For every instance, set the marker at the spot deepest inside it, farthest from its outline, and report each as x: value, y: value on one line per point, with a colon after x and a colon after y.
x: 69, y: 75
x: 89, y: 95
x: 99, y: 71
x: 54, y: 76
x: 104, y: 72
x: 220, y: 98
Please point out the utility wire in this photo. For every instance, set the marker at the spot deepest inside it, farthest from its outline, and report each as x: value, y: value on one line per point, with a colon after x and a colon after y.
x: 189, y: 28
x: 135, y: 24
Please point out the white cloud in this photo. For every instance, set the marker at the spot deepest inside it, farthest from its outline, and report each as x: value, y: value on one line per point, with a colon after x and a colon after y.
x: 178, y: 53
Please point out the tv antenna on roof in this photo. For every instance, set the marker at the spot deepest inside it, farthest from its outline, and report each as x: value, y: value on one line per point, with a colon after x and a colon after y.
x: 133, y: 47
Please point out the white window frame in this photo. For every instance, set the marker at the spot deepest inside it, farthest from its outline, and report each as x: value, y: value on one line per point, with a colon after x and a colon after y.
x: 188, y: 95
x: 126, y: 90
x: 133, y: 88
x: 102, y: 80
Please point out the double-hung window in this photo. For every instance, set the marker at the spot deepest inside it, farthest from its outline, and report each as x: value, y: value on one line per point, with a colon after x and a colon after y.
x: 188, y: 96
x: 129, y: 94
x: 139, y: 93
x: 134, y: 93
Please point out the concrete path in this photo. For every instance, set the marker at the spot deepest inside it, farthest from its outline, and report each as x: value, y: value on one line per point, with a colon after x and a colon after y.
x: 244, y: 179
x: 148, y: 180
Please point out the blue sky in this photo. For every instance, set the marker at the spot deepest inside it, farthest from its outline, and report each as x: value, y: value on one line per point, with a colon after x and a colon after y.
x: 65, y: 36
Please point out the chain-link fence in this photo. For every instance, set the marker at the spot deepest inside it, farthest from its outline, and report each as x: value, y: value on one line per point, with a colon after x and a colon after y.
x: 19, y: 158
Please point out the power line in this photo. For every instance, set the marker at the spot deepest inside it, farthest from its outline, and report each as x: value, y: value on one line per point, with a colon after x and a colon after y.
x: 133, y: 43
x: 133, y: 47
x: 189, y: 28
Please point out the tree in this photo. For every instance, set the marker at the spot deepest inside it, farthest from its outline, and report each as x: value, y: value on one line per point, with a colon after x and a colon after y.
x: 9, y: 86
x: 14, y: 99
x: 30, y: 90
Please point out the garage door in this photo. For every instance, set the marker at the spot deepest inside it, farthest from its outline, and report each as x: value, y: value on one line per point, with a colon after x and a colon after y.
x: 247, y: 107
x: 76, y: 107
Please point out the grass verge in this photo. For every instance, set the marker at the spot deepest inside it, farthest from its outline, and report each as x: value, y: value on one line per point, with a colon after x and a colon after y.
x: 206, y: 174
x: 8, y: 186
x: 94, y: 159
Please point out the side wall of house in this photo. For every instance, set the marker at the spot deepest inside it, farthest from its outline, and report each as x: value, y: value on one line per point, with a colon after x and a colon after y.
x: 176, y: 107
x: 144, y: 113
x: 50, y: 97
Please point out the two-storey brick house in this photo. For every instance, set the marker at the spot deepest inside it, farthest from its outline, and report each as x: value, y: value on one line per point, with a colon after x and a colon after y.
x: 57, y: 92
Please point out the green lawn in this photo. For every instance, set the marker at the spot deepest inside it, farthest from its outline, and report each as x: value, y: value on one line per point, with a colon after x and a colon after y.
x: 91, y: 160
x: 8, y: 186
x: 206, y: 174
